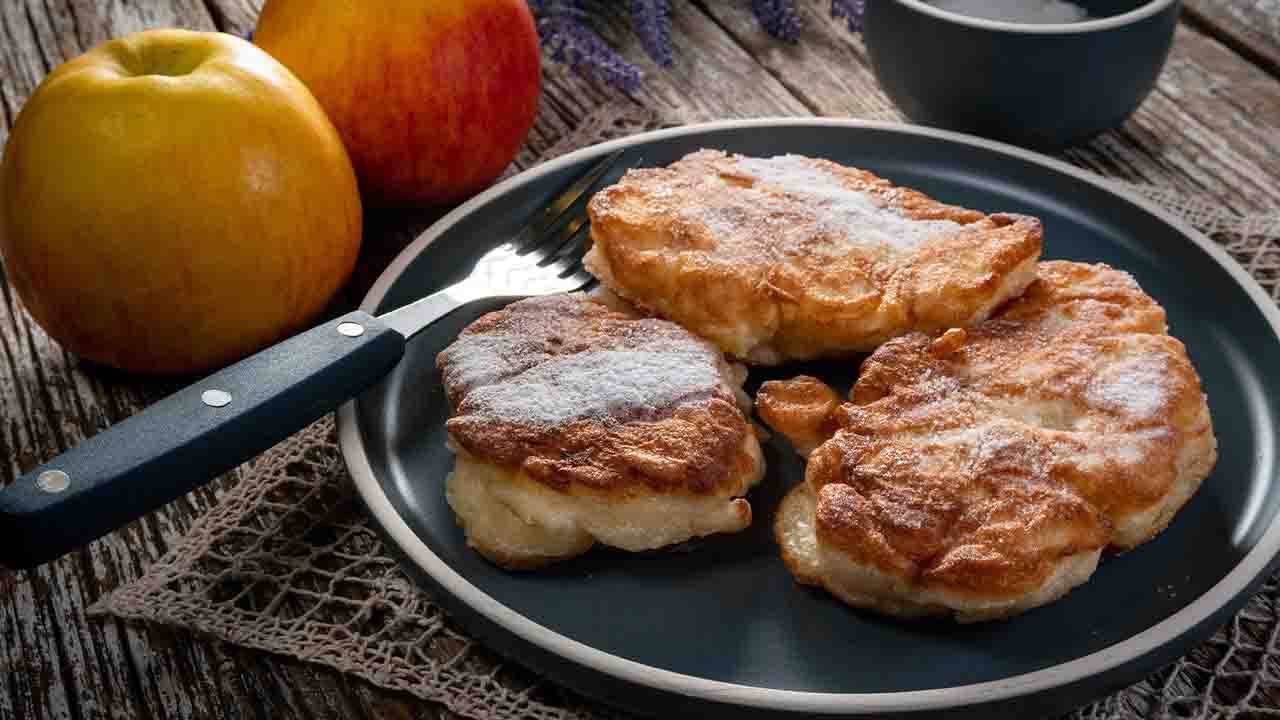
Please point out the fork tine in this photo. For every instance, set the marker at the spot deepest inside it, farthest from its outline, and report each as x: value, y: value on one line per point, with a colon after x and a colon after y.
x: 566, y: 243
x: 570, y: 261
x: 584, y: 279
x: 534, y: 234
x: 565, y: 266
x: 550, y: 246
x: 579, y: 244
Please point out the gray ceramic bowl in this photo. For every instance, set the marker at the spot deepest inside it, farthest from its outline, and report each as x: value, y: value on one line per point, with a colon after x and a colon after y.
x: 1044, y: 86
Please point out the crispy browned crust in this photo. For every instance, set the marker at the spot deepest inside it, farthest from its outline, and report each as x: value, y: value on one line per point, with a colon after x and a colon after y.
x: 966, y: 522
x: 1046, y: 362
x: 973, y: 464
x: 745, y: 263
x: 690, y: 444
x: 801, y: 408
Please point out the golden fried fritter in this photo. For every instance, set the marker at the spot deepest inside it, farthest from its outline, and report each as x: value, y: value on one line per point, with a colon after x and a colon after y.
x: 790, y: 258
x: 575, y: 423
x: 982, y: 471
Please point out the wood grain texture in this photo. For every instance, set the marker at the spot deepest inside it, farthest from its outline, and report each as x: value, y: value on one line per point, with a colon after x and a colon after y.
x: 1250, y: 27
x: 1210, y: 128
x: 829, y: 70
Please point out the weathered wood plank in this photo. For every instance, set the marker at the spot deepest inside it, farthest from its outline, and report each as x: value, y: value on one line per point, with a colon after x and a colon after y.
x: 234, y: 16
x: 828, y: 69
x: 319, y: 692
x: 1216, y: 118
x: 1250, y: 27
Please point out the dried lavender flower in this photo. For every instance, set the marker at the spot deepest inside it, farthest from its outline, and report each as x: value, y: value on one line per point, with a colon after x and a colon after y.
x: 778, y: 18
x: 566, y: 36
x: 651, y: 21
x: 851, y: 11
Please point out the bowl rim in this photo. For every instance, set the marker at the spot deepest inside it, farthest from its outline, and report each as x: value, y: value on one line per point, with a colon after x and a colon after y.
x: 1143, y: 12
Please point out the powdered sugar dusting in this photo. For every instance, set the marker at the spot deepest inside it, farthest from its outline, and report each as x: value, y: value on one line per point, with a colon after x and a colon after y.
x: 595, y: 384
x: 857, y: 216
x: 481, y: 358
x: 723, y: 221
x: 1134, y: 386
x: 1127, y: 453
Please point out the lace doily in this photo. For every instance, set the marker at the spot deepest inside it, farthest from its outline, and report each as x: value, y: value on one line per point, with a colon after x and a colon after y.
x: 288, y: 563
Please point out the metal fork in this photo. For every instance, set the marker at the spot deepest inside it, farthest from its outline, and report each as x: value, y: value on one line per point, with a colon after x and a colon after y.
x: 545, y: 258
x: 214, y: 425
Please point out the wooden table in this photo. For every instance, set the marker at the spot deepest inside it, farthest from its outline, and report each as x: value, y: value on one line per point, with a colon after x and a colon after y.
x: 1211, y: 129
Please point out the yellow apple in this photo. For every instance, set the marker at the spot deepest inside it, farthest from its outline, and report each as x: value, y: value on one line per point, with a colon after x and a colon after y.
x: 171, y: 201
x: 433, y: 98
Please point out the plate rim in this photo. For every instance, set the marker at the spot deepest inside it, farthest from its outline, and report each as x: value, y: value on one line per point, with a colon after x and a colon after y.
x: 1204, y: 607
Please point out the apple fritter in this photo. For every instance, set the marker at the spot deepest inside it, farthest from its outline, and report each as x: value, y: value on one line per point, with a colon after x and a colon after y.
x: 981, y: 472
x: 789, y: 258
x: 576, y: 423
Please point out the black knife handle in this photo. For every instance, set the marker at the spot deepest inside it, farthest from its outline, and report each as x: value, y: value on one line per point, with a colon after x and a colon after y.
x: 190, y: 437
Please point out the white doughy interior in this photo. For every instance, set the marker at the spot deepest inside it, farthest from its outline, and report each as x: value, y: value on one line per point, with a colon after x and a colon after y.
x: 519, y: 522
x: 1012, y: 286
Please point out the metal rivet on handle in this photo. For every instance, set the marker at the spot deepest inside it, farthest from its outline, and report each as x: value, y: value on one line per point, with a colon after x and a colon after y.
x: 53, y: 481
x: 351, y: 329
x: 215, y: 398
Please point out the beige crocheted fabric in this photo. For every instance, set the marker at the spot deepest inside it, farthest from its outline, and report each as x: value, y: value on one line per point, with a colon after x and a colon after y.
x: 288, y: 563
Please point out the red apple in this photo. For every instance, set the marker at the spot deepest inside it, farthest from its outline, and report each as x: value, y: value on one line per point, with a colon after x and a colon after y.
x: 432, y: 97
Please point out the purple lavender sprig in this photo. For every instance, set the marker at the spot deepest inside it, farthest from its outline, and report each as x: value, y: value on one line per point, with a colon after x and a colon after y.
x: 779, y: 18
x: 567, y: 35
x: 563, y: 30
x: 851, y: 11
x: 651, y: 21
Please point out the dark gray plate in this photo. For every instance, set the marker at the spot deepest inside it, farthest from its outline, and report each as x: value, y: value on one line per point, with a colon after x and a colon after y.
x: 723, y: 629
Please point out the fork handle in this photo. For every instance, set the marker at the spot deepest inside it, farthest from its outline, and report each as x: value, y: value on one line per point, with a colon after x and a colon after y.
x: 190, y: 437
